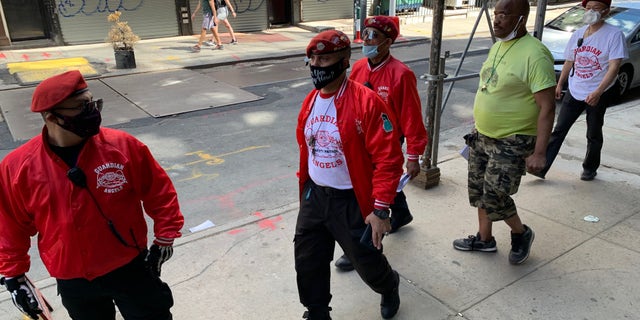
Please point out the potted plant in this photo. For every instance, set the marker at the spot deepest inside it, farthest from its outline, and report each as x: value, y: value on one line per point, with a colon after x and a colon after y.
x: 122, y: 38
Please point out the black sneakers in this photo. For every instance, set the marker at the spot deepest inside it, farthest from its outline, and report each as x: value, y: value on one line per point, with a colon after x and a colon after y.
x: 538, y: 174
x: 390, y: 302
x: 520, y: 246
x: 399, y: 222
x: 588, y: 175
x: 343, y: 263
x: 317, y: 313
x: 473, y: 243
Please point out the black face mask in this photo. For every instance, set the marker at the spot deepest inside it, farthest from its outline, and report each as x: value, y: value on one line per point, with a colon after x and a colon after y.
x: 322, y: 76
x: 85, y: 124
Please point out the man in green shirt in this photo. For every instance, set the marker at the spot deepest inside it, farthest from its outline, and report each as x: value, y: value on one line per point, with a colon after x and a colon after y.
x: 514, y: 112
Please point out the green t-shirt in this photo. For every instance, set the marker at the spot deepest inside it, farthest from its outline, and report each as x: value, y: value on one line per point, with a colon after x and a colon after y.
x: 206, y: 7
x: 504, y: 104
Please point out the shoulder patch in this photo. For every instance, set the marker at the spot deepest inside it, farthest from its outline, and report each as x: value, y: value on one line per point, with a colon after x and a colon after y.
x: 386, y: 123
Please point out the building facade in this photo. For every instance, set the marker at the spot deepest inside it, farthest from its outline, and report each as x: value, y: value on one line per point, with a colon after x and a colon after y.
x: 69, y: 22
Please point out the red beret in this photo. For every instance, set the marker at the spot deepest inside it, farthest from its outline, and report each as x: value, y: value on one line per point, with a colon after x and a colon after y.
x: 56, y: 89
x: 328, y: 41
x: 385, y: 24
x: 606, y: 2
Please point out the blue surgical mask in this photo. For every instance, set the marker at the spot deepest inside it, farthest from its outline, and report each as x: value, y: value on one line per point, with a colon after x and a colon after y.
x: 370, y: 51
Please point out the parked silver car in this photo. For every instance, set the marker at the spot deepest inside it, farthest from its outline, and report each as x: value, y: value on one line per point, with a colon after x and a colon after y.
x: 624, y: 15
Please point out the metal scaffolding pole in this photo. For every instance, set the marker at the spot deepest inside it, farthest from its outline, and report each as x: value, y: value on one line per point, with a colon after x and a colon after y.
x: 484, y: 11
x: 430, y: 175
x: 540, y: 13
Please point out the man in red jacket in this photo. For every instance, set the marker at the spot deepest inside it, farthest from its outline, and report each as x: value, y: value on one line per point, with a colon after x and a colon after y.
x: 81, y: 189
x: 396, y: 84
x: 350, y: 165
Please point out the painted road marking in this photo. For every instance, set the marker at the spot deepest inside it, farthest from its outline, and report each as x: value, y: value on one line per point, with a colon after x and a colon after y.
x: 29, y: 72
x: 208, y: 160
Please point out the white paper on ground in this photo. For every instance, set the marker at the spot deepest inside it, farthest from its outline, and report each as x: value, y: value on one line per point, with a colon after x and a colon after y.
x: 403, y: 181
x: 205, y: 225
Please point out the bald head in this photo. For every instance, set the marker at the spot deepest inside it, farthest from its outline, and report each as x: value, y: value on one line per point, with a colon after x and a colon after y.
x: 518, y: 7
x: 510, y: 16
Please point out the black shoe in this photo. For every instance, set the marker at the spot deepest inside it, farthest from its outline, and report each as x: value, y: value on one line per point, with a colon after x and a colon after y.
x: 343, y: 263
x: 390, y: 302
x: 521, y: 245
x: 588, y: 175
x: 403, y: 220
x: 538, y: 174
x: 473, y: 243
x: 317, y: 313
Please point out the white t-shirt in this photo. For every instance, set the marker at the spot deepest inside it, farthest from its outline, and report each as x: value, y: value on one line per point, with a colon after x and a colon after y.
x: 327, y: 164
x: 591, y: 59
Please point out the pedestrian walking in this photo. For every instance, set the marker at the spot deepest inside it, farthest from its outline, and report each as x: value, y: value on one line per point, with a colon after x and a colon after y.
x: 82, y: 188
x: 593, y: 57
x: 209, y: 22
x: 513, y: 112
x: 396, y: 84
x: 223, y: 7
x: 350, y: 165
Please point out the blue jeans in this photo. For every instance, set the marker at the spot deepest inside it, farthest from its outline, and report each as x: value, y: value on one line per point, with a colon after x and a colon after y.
x: 569, y: 112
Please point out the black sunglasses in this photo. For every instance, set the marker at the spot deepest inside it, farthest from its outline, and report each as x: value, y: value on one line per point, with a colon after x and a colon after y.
x: 86, y: 106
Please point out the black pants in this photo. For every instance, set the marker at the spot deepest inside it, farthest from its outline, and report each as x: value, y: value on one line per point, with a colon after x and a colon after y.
x: 328, y: 215
x: 137, y: 293
x: 569, y: 112
x: 400, y: 207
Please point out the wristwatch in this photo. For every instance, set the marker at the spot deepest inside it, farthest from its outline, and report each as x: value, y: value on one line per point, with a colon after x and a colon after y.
x: 382, y: 214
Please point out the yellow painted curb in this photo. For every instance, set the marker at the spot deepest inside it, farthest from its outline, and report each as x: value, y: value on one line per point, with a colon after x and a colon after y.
x: 29, y: 72
x: 45, y: 64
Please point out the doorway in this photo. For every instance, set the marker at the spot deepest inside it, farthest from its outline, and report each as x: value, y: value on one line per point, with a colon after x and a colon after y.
x: 25, y: 19
x: 279, y: 12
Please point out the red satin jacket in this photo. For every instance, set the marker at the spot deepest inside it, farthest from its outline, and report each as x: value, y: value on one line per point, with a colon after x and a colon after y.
x: 395, y: 83
x: 74, y: 239
x: 373, y: 154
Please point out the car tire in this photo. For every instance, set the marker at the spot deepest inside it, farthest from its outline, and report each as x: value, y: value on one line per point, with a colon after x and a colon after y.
x: 624, y: 80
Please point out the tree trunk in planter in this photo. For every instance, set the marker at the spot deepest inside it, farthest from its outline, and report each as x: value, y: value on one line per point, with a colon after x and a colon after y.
x: 125, y: 59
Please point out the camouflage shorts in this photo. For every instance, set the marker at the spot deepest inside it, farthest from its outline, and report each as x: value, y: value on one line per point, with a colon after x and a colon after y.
x: 495, y: 169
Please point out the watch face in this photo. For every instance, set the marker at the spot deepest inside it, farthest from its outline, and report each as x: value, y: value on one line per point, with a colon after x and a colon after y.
x: 382, y: 214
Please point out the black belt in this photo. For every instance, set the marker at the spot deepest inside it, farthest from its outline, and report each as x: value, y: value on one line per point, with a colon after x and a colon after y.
x: 333, y: 192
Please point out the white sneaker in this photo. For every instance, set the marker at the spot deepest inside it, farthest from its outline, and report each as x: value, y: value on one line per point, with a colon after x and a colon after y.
x: 210, y: 44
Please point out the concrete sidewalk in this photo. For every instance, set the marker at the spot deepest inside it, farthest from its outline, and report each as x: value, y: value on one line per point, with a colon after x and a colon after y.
x: 577, y: 269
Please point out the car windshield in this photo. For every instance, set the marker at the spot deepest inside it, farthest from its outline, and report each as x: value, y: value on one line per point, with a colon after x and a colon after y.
x: 570, y: 21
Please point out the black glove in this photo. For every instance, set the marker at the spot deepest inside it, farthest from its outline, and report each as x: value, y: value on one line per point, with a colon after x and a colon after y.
x: 23, y: 296
x: 156, y: 256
